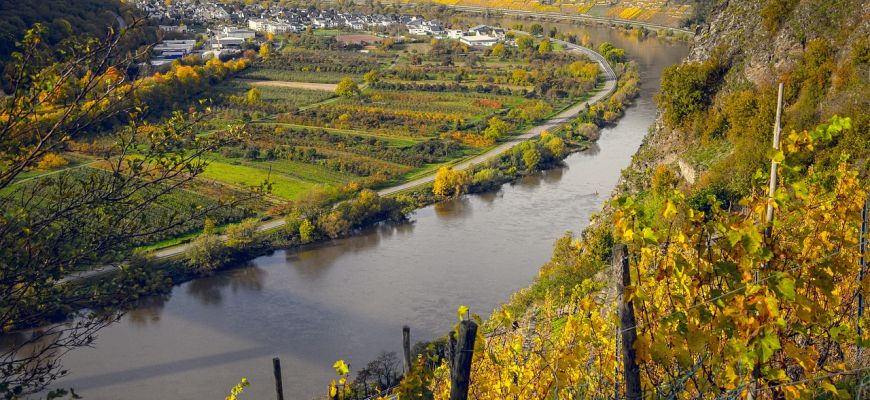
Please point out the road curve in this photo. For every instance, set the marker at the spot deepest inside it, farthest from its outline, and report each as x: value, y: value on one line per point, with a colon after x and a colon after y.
x: 550, y: 124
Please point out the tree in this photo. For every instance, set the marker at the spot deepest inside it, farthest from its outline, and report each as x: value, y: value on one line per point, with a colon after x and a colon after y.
x: 372, y: 76
x: 580, y: 69
x: 525, y: 42
x: 252, y: 97
x: 206, y: 253
x: 306, y: 231
x: 612, y: 54
x: 536, y: 29
x: 552, y: 32
x: 520, y: 77
x: 86, y: 217
x: 51, y: 161
x: 686, y: 90
x: 347, y: 88
x: 243, y: 235
x: 265, y: 51
x: 498, y: 50
x: 496, y: 129
x: 545, y: 47
x: 450, y: 182
x: 532, y: 157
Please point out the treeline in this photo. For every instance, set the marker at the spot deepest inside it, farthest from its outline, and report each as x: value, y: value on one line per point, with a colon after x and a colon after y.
x: 449, y: 87
x: 187, y: 79
x: 309, y: 219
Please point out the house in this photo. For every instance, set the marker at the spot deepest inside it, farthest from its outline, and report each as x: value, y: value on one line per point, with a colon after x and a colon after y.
x: 237, y: 32
x: 227, y: 42
x: 418, y: 30
x: 454, y: 33
x: 479, y: 40
x: 174, y: 48
x: 173, y: 28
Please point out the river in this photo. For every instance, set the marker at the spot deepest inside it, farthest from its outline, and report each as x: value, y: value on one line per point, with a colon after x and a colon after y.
x: 349, y: 298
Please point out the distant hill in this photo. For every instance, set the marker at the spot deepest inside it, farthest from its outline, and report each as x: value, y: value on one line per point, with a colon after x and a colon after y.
x: 660, y: 12
x: 62, y: 18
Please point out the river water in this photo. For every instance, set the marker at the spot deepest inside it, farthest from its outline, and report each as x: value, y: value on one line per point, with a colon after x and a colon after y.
x: 349, y: 298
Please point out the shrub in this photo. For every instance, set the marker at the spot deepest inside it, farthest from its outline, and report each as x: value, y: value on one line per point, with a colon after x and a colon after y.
x: 243, y: 234
x: 347, y: 88
x: 51, y: 161
x: 450, y: 183
x: 206, y: 253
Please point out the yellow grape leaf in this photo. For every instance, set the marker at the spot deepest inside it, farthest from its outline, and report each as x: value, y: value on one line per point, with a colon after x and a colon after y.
x: 462, y: 310
x: 670, y: 210
x: 341, y: 367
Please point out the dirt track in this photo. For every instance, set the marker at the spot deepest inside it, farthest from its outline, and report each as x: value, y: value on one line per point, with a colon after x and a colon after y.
x: 326, y: 87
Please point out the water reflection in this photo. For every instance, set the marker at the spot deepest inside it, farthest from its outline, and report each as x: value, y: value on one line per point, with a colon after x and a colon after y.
x: 147, y: 310
x: 491, y: 196
x: 454, y: 209
x: 209, y: 290
x: 313, y: 261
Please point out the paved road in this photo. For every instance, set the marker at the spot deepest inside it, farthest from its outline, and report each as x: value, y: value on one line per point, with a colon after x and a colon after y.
x: 552, y: 123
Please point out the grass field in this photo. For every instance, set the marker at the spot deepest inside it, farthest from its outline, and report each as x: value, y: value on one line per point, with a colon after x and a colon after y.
x: 243, y: 176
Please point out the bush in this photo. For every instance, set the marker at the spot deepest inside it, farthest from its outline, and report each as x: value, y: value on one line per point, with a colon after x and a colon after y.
x: 206, y: 253
x: 243, y: 235
x: 687, y: 90
x: 51, y: 161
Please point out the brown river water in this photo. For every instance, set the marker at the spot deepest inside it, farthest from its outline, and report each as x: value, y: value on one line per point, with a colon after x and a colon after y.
x: 349, y: 298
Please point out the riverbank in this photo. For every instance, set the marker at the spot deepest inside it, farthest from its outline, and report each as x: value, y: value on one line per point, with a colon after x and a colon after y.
x: 609, y: 86
x: 349, y: 298
x: 316, y: 225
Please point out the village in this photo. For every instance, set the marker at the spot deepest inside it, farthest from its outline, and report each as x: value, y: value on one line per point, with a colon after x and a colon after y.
x: 228, y: 30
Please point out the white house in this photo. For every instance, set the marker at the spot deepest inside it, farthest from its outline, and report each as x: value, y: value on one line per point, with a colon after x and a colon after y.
x: 454, y: 33
x: 418, y: 30
x: 479, y: 40
x: 227, y: 42
x: 238, y: 32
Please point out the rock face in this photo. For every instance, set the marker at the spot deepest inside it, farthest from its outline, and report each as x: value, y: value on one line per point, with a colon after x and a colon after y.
x: 737, y: 34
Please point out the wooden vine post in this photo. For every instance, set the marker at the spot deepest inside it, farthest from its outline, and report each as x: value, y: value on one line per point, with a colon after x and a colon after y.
x: 406, y: 348
x: 460, y: 376
x: 279, y: 385
x: 627, y: 324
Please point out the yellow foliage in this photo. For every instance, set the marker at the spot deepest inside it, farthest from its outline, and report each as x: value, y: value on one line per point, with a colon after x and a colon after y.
x: 51, y: 161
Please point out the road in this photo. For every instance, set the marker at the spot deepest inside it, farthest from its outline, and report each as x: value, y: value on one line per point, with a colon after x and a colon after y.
x: 549, y: 125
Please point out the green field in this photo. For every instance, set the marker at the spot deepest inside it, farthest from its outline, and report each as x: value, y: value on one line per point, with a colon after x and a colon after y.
x: 243, y: 176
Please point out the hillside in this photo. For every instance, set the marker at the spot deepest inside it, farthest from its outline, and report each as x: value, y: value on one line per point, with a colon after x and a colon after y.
x: 726, y: 303
x: 61, y: 19
x: 659, y: 12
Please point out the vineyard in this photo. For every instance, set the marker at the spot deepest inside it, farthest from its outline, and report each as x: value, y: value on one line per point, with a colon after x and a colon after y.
x: 731, y: 261
x: 410, y: 109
